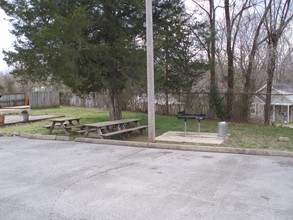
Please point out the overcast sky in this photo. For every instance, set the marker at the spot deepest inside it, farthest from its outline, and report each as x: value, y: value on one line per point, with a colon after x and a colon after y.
x: 7, y: 39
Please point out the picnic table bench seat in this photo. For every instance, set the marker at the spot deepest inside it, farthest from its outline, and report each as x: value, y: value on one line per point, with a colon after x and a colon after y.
x: 75, y: 126
x: 47, y: 126
x: 56, y: 126
x: 140, y: 128
x: 83, y: 131
x: 111, y: 128
x: 66, y: 126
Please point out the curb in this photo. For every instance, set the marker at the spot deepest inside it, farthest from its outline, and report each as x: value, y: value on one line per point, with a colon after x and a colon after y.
x: 163, y: 146
x: 111, y: 142
x: 187, y: 147
x: 45, y: 137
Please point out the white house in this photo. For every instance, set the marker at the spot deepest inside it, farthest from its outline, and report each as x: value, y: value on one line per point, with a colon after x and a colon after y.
x: 281, y: 103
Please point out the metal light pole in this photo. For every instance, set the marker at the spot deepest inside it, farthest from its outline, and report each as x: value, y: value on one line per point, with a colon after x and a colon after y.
x: 150, y: 72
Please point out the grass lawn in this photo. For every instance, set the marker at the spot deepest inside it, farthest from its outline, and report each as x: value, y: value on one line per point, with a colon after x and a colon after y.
x: 242, y: 135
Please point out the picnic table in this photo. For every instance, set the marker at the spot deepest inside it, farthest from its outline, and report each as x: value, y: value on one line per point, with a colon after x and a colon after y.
x: 64, y: 124
x: 109, y: 128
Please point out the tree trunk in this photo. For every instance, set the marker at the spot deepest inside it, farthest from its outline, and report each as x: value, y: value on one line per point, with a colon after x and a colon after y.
x: 114, y: 105
x: 273, y: 43
x: 212, y: 52
x: 230, y: 91
x: 187, y: 106
x: 212, y: 59
x: 167, y: 103
x: 167, y: 71
x: 247, y: 96
x: 267, y: 112
x: 246, y: 100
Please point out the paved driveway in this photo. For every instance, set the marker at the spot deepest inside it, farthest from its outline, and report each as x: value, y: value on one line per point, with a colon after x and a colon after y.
x: 68, y: 180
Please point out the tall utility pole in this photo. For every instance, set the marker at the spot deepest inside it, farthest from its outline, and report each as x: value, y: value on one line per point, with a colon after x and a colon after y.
x: 150, y: 72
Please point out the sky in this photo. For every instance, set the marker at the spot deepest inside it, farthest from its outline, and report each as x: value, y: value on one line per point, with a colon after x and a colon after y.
x: 6, y: 39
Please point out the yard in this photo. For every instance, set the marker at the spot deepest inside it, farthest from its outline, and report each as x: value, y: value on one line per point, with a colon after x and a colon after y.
x: 241, y: 135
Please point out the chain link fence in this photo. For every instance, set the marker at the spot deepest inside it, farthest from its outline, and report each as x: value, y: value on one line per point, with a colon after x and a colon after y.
x: 246, y: 107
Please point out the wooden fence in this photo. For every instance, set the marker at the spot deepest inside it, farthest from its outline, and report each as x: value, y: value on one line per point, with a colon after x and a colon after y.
x: 44, y: 99
x: 34, y: 99
x: 12, y: 99
x: 93, y: 100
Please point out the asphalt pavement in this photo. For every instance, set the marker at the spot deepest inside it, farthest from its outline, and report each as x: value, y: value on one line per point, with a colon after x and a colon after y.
x: 64, y: 180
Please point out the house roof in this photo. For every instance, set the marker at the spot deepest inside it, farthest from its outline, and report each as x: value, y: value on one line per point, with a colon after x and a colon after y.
x: 283, y: 94
x: 285, y: 88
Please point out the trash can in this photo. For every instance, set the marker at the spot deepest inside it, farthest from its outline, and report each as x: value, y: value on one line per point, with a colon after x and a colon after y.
x: 25, y: 115
x: 222, y: 129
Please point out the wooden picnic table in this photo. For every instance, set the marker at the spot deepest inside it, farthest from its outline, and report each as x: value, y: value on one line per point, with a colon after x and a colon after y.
x: 109, y: 128
x: 64, y: 124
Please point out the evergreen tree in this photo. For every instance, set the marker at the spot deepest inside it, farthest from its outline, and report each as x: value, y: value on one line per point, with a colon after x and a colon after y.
x: 89, y: 45
x: 176, y: 66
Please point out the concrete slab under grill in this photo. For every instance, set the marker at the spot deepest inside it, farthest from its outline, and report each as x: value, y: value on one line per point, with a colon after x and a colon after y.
x: 190, y: 137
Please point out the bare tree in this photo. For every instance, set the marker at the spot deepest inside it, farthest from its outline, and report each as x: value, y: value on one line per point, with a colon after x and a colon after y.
x: 8, y: 83
x: 258, y: 22
x: 233, y: 21
x: 210, y: 46
x: 256, y: 42
x: 234, y: 12
x: 279, y: 15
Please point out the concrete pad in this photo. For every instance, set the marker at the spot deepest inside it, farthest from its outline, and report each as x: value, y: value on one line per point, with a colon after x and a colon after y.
x: 190, y: 137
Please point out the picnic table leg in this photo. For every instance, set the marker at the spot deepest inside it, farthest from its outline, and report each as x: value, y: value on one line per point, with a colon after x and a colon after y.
x: 140, y: 130
x: 52, y: 127
x: 99, y: 131
x: 66, y: 131
x: 63, y: 127
x: 123, y: 127
x: 87, y: 131
x: 127, y: 135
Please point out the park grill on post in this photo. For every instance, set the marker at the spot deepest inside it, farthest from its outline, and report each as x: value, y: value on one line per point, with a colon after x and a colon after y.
x: 198, y: 117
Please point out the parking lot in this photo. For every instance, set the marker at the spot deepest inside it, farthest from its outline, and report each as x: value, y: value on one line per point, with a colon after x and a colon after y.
x: 69, y: 180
